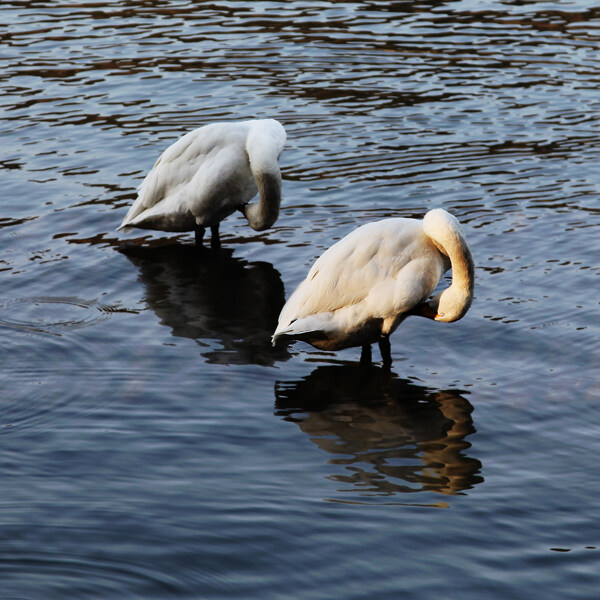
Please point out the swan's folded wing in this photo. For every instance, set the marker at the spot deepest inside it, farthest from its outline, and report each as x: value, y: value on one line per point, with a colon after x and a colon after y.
x: 361, y: 268
x: 178, y: 166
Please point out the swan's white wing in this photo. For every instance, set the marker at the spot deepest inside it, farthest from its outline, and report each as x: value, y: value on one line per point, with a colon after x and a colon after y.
x: 344, y: 274
x: 190, y: 170
x: 378, y: 271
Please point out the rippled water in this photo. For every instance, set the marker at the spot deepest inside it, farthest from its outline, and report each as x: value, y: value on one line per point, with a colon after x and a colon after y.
x: 154, y: 445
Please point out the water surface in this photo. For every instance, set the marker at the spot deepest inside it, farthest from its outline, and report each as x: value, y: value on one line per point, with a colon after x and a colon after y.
x: 152, y: 442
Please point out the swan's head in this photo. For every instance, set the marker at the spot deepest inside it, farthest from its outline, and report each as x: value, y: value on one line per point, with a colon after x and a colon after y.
x: 257, y: 219
x: 451, y: 305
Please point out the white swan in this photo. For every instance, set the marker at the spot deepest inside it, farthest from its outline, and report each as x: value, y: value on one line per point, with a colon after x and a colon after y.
x: 208, y: 174
x: 366, y: 284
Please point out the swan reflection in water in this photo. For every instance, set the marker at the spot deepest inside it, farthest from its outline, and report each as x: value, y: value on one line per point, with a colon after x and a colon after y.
x: 218, y: 297
x: 389, y: 435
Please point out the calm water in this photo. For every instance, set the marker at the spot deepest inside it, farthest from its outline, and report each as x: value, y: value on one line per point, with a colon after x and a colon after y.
x: 154, y: 445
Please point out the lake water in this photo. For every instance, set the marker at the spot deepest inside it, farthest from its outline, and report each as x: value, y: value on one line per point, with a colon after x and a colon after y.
x: 154, y: 445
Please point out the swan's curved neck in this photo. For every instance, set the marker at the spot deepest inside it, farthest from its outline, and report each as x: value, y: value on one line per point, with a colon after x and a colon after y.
x: 453, y: 303
x: 463, y: 282
x: 263, y: 145
x: 262, y: 214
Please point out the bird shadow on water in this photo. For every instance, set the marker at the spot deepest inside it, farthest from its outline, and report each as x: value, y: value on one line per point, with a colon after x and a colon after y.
x: 205, y: 294
x: 386, y: 435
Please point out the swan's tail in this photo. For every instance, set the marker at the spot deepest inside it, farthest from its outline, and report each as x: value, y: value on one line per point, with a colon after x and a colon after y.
x: 287, y: 335
x: 305, y: 329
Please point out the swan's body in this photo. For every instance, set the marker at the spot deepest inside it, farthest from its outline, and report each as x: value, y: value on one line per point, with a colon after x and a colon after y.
x: 366, y: 284
x: 208, y: 174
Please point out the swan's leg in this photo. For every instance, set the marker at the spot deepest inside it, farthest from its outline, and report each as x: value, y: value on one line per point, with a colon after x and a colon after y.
x: 215, y: 240
x: 365, y: 355
x: 386, y: 351
x: 199, y: 232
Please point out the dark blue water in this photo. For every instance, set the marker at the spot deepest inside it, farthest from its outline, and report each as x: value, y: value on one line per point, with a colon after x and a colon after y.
x: 152, y: 442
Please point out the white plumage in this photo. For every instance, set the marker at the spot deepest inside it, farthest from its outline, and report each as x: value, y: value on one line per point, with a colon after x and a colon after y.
x: 208, y: 174
x: 366, y: 284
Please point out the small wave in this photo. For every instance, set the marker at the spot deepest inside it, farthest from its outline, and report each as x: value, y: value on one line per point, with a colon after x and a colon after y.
x: 52, y: 315
x: 56, y: 573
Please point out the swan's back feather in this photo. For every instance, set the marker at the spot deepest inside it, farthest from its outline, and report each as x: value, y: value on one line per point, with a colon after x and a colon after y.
x: 377, y: 272
x: 203, y: 176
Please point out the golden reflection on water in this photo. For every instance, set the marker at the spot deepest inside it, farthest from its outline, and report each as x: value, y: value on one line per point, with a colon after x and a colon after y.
x: 390, y: 435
